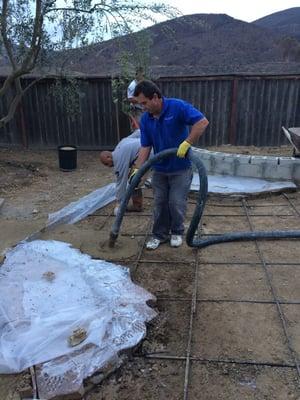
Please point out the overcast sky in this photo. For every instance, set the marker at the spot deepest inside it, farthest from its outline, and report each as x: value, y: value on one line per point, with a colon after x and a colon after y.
x: 239, y: 9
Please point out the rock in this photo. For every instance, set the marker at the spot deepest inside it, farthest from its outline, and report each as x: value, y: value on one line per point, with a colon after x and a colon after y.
x: 49, y: 276
x: 77, y: 337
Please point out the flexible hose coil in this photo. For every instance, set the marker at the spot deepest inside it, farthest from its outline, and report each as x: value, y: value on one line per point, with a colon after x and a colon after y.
x: 191, y: 239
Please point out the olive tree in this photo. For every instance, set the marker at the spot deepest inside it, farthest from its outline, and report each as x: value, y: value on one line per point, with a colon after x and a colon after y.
x: 32, y: 31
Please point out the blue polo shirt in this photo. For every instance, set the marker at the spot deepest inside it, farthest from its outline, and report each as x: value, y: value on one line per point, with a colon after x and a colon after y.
x: 168, y: 131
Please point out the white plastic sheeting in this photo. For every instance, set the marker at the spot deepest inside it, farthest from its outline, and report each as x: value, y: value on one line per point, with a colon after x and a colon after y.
x: 225, y: 184
x: 86, y: 205
x: 219, y: 184
x: 47, y: 290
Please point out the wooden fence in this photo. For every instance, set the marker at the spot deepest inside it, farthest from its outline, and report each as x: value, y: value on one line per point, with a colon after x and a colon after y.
x: 242, y: 110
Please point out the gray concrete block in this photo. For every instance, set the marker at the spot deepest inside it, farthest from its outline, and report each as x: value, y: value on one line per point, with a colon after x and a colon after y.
x: 295, y: 162
x: 280, y: 173
x: 277, y: 168
x: 254, y: 168
x: 292, y: 165
x: 296, y: 175
x: 240, y: 164
x: 224, y: 163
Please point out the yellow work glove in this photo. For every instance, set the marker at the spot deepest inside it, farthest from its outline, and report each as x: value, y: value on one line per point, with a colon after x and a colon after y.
x: 183, y: 149
x: 132, y: 174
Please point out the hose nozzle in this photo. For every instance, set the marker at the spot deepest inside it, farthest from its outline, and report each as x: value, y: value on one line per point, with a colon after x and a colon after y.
x: 112, y: 239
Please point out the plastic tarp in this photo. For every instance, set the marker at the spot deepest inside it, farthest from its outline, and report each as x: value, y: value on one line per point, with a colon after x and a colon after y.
x: 77, y: 210
x: 47, y: 290
x: 218, y: 184
x: 225, y: 184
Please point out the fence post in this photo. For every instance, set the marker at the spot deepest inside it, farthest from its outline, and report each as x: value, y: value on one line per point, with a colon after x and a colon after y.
x: 21, y: 123
x: 233, y: 112
x: 117, y: 119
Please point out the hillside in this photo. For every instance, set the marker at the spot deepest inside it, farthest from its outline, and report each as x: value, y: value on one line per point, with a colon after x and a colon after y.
x: 286, y: 23
x: 195, y: 44
x: 199, y: 44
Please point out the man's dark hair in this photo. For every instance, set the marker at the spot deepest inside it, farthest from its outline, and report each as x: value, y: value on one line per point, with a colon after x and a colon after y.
x: 148, y: 89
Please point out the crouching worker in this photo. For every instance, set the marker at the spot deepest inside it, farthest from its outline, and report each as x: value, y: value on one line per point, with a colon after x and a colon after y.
x: 121, y: 160
x: 164, y: 125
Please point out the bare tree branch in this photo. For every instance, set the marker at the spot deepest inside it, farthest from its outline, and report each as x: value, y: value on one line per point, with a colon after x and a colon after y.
x: 29, y: 60
x: 6, y: 41
x: 9, y: 80
x: 12, y: 108
x: 17, y: 98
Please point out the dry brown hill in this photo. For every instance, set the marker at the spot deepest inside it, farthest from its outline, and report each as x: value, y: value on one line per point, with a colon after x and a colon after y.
x: 198, y: 44
x: 192, y: 45
x: 286, y: 23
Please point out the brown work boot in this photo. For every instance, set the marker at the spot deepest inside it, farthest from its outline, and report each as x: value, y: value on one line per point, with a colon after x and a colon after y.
x: 137, y: 201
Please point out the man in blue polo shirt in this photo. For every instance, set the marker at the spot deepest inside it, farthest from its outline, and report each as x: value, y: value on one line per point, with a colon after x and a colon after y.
x: 164, y: 125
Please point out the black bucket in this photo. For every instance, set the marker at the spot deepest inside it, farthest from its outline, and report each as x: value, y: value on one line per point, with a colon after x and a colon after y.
x: 67, y: 156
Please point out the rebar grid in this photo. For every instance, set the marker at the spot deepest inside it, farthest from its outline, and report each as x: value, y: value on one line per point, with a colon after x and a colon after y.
x: 194, y: 300
x: 201, y: 360
x: 206, y: 215
x: 136, y: 263
x: 291, y: 204
x: 213, y: 263
x: 273, y: 291
x: 184, y: 299
x: 192, y: 314
x: 250, y: 263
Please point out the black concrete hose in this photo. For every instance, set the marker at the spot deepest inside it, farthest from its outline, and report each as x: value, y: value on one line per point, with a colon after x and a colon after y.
x: 191, y: 239
x: 134, y: 183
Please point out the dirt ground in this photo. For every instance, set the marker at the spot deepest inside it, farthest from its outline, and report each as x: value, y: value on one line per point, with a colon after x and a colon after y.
x: 228, y: 315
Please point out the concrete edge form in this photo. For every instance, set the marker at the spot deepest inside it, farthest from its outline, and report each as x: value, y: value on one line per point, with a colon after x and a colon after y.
x: 263, y: 167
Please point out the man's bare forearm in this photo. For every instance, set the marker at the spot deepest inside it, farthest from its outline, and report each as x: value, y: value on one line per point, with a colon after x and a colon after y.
x: 143, y: 156
x: 197, y: 131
